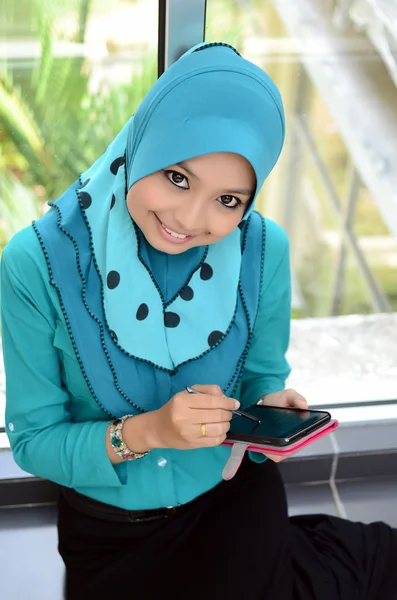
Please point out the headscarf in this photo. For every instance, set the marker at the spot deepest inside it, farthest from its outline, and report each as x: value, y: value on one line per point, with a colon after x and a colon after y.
x: 210, y: 100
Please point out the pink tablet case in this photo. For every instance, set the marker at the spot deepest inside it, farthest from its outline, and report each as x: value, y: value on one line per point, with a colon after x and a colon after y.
x: 238, y: 453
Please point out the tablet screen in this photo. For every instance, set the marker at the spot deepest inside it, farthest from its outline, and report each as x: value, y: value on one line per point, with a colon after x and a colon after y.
x: 277, y: 423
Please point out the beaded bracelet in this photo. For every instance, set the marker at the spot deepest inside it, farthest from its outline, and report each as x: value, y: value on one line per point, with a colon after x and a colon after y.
x: 117, y: 442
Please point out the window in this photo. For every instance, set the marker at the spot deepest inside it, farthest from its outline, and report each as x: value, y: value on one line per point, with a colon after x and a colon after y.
x: 334, y: 188
x: 72, y: 73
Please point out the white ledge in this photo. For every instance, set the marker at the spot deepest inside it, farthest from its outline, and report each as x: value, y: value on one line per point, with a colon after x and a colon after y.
x: 333, y: 360
x: 344, y: 359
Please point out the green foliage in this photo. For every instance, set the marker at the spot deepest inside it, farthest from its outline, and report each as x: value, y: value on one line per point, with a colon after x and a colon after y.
x: 54, y: 123
x: 224, y: 22
x: 52, y: 126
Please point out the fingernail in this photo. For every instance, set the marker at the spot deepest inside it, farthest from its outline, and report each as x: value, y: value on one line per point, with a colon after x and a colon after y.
x: 236, y: 405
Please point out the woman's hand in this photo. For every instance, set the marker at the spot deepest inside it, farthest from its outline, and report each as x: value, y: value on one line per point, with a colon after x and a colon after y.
x: 284, y: 399
x: 178, y: 423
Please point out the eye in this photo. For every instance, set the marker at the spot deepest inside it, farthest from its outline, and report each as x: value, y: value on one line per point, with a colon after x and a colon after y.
x: 177, y: 179
x: 230, y: 201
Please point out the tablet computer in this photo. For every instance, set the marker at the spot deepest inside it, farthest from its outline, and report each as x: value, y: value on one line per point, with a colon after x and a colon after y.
x: 275, y: 426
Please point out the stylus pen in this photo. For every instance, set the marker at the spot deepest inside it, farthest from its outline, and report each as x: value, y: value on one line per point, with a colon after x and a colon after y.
x: 240, y: 413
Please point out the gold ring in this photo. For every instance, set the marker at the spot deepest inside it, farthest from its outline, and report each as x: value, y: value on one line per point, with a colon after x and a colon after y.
x: 203, y: 431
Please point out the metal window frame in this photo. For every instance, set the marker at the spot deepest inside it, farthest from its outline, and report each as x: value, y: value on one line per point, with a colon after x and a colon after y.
x: 302, y: 138
x: 181, y: 26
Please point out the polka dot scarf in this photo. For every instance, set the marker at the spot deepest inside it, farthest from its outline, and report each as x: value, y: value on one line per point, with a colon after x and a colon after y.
x: 209, y: 101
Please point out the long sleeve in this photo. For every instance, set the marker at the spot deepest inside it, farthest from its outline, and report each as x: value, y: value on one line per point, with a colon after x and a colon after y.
x: 266, y: 368
x: 44, y: 440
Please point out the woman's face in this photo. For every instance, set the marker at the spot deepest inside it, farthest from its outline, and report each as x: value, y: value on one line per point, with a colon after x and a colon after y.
x: 193, y: 203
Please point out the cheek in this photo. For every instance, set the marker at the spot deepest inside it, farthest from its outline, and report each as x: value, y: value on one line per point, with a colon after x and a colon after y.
x: 143, y: 197
x: 222, y: 224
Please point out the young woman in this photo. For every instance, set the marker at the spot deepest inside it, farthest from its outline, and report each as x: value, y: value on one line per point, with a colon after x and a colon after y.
x: 152, y: 273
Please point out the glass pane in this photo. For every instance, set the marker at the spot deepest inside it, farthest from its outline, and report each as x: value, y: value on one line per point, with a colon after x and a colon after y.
x: 354, y: 297
x: 334, y: 187
x: 71, y: 74
x: 340, y: 98
x: 378, y: 246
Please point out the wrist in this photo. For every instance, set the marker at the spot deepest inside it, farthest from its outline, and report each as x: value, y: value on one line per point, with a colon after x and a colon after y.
x: 139, y: 432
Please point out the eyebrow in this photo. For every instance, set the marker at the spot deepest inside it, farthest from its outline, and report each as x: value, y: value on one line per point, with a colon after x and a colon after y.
x: 243, y: 192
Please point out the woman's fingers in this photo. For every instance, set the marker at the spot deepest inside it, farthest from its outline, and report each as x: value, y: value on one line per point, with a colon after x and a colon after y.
x: 286, y: 398
x: 275, y: 457
x: 297, y: 401
x: 210, y: 390
x: 212, y: 430
x: 217, y: 415
x: 278, y: 458
x: 209, y: 401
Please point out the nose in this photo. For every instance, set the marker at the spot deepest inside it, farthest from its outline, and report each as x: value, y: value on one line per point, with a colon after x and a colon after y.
x: 191, y: 216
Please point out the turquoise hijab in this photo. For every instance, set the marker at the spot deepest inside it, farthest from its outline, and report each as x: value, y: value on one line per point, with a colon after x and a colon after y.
x: 210, y: 100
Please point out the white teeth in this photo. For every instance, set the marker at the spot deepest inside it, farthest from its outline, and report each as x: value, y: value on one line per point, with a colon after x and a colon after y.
x: 180, y: 236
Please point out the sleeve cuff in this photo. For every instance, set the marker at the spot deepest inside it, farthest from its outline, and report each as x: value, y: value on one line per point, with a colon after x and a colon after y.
x: 257, y: 457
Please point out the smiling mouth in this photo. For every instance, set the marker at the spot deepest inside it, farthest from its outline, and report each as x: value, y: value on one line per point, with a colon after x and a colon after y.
x: 174, y: 234
x: 178, y: 236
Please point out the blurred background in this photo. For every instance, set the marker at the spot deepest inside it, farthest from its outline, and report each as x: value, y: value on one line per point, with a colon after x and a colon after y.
x: 72, y: 72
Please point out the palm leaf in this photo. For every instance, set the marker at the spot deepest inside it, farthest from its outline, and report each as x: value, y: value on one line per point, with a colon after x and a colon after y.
x: 18, y: 207
x: 16, y: 116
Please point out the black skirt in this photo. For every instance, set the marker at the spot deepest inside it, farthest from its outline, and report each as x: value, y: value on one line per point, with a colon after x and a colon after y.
x: 235, y: 542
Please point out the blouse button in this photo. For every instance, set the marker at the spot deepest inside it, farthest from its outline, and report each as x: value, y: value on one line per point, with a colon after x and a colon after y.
x: 161, y: 462
x: 11, y: 426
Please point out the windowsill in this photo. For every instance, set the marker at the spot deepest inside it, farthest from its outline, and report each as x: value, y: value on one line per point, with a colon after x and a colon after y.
x: 349, y: 359
x: 335, y: 360
x: 4, y: 443
x: 364, y: 446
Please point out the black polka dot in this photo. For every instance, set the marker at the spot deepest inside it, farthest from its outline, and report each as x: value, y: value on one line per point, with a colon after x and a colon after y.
x: 113, y: 279
x: 85, y: 183
x: 206, y: 271
x: 215, y: 337
x: 186, y: 293
x: 113, y: 201
x: 116, y: 164
x: 142, y: 312
x: 171, y: 319
x: 85, y: 199
x: 113, y: 335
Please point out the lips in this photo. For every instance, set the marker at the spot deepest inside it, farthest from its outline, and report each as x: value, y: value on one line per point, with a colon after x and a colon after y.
x: 173, y: 236
x: 179, y: 236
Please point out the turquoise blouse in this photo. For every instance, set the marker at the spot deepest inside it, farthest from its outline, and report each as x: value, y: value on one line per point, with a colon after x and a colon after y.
x: 55, y: 427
